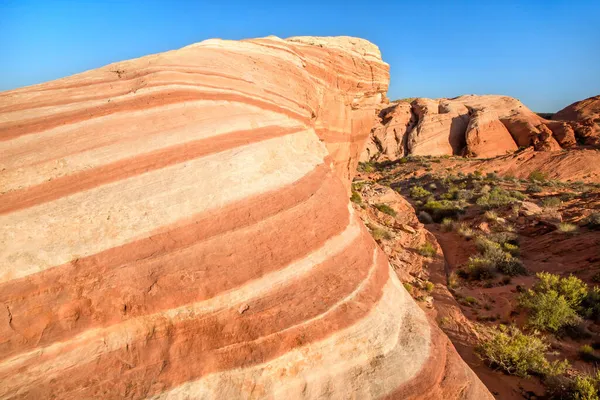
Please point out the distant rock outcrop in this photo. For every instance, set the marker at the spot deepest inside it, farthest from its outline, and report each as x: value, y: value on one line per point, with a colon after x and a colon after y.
x: 178, y: 226
x: 479, y: 126
x: 584, y: 117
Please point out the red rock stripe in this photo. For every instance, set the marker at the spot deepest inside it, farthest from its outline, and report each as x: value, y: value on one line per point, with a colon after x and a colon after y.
x: 140, y: 102
x: 172, y: 354
x: 126, y: 168
x: 186, y: 263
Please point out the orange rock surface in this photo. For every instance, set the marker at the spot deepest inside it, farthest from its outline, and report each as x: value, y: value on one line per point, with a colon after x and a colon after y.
x: 477, y: 126
x: 178, y: 226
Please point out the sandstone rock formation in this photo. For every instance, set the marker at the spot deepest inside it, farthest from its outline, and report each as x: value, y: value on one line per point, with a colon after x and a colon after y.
x: 476, y: 126
x: 584, y: 117
x: 178, y: 226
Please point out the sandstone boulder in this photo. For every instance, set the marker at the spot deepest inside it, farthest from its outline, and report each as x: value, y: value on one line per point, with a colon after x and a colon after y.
x: 584, y: 117
x: 486, y: 136
x: 178, y: 226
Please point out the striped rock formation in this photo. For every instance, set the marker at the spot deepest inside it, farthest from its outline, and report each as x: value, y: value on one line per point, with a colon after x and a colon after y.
x: 178, y: 226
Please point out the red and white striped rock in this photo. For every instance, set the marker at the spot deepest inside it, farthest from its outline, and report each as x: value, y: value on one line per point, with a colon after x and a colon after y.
x: 178, y: 226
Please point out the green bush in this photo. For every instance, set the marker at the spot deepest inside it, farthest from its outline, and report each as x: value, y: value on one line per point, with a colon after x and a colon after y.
x: 427, y: 250
x: 366, y: 167
x: 518, y: 353
x: 384, y: 208
x: 440, y: 209
x: 497, y: 197
x: 534, y: 188
x: 355, y: 198
x: 478, y: 268
x: 518, y: 195
x: 493, y: 257
x: 553, y: 301
x: 447, y: 225
x: 418, y: 192
x: 538, y: 176
x: 566, y: 227
x: 551, y: 202
x: 580, y: 387
x: 429, y: 286
x: 379, y: 233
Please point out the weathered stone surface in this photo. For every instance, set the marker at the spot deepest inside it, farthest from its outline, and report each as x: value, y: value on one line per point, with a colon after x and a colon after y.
x: 178, y: 226
x: 486, y: 136
x: 472, y: 125
x: 440, y: 129
x: 584, y: 117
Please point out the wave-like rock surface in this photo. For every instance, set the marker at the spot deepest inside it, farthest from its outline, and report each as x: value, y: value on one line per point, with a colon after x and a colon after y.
x: 177, y: 226
x: 475, y: 126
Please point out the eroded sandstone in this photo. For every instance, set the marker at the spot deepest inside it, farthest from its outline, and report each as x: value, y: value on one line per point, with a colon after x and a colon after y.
x: 178, y: 226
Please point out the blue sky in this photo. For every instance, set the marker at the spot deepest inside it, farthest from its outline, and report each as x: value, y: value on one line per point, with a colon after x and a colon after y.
x: 546, y: 53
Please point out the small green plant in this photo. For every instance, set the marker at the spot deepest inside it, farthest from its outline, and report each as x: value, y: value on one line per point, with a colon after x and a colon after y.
x: 356, y: 198
x: 490, y: 216
x: 538, y: 176
x: 367, y: 167
x: 447, y: 225
x: 440, y: 209
x: 418, y: 192
x: 427, y: 250
x: 586, y: 352
x: 471, y: 300
x: 497, y: 197
x: 566, y: 227
x: 517, y: 353
x: 379, y: 233
x: 384, y: 208
x: 429, y: 286
x: 465, y: 231
x: 534, y: 188
x: 551, y: 202
x: 408, y: 287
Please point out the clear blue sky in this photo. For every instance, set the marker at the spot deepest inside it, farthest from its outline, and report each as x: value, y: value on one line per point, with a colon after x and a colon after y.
x: 546, y: 53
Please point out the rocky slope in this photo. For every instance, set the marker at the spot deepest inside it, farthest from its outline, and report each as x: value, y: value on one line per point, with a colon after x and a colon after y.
x: 477, y: 126
x: 178, y: 226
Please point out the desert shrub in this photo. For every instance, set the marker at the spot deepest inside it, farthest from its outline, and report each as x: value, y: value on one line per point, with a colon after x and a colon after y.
x: 549, y: 311
x: 384, y: 208
x: 497, y: 197
x: 379, y: 233
x: 551, y: 202
x: 425, y: 217
x: 471, y: 300
x: 440, y: 209
x: 447, y: 224
x: 593, y: 220
x: 408, y: 287
x: 465, y: 231
x: 573, y: 289
x: 580, y: 387
x: 538, y: 176
x: 586, y: 353
x: 518, y: 353
x: 479, y: 268
x: 356, y: 198
x: 427, y: 250
x: 477, y: 174
x: 511, y: 248
x: 534, y: 188
x: 517, y: 195
x: 553, y: 301
x: 432, y: 186
x: 418, y: 192
x: 366, y: 167
x: 566, y: 227
x: 590, y: 305
x: 403, y: 160
x: 451, y: 194
x: 493, y: 257
x: 429, y: 286
x: 453, y: 282
x: 490, y: 216
x: 492, y: 176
